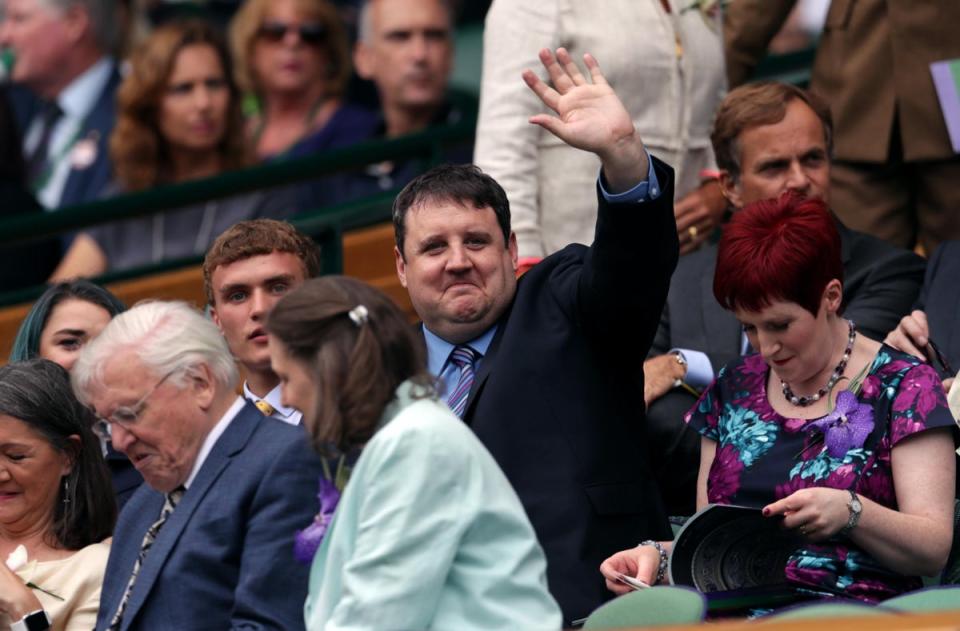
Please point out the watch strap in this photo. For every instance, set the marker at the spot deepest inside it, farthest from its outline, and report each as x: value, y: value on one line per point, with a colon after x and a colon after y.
x: 855, y: 506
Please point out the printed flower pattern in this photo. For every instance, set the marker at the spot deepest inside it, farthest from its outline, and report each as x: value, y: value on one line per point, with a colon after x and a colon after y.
x: 762, y: 456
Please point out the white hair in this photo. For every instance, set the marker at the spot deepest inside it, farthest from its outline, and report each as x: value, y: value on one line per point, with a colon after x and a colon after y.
x: 167, y: 337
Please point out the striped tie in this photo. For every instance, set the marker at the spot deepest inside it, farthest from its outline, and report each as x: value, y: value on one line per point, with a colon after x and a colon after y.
x: 172, y: 499
x: 464, y: 358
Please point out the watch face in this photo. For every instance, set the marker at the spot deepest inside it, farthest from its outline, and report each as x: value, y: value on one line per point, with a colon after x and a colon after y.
x: 855, y: 505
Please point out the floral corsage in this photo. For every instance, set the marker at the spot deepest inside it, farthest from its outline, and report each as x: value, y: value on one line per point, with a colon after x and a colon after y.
x: 847, y: 426
x: 307, y: 541
x: 17, y: 560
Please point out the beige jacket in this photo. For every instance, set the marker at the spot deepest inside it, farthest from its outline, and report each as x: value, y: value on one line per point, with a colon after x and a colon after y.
x: 671, y: 97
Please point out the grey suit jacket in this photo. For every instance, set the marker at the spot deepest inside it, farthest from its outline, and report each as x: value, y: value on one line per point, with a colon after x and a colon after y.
x: 940, y: 299
x: 224, y: 558
x: 880, y: 285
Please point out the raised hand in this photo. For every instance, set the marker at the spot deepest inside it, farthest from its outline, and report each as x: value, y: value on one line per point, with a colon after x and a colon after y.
x: 589, y: 116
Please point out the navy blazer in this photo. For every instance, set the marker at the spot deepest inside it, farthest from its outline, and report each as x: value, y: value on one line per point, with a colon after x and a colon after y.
x: 89, y: 183
x: 224, y: 558
x: 558, y: 398
x: 940, y: 299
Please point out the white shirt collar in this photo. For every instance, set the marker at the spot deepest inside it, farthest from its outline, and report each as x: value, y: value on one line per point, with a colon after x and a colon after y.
x: 78, y: 99
x: 283, y: 413
x: 213, y: 437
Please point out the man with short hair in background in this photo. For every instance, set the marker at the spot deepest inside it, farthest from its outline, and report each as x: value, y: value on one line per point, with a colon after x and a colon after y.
x: 768, y: 138
x: 62, y: 57
x: 246, y: 271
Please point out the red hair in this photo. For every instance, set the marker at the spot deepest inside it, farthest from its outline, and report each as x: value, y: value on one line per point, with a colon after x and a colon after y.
x: 786, y: 248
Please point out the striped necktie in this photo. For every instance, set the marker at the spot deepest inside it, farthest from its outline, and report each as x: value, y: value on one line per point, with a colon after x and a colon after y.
x: 464, y: 358
x: 169, y: 504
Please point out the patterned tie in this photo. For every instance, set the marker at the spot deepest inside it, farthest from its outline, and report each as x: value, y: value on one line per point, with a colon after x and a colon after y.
x: 266, y: 408
x: 37, y: 160
x: 464, y: 358
x: 172, y: 499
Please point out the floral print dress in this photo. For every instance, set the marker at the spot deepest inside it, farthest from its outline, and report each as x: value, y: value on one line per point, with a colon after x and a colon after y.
x: 762, y: 457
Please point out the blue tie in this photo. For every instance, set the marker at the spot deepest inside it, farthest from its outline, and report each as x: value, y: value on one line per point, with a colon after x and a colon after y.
x: 464, y: 358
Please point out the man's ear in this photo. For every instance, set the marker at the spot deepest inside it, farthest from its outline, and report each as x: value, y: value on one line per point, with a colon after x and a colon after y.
x: 202, y: 384
x: 215, y: 317
x: 77, y: 22
x: 514, y: 251
x: 401, y: 266
x: 730, y: 187
x: 363, y: 61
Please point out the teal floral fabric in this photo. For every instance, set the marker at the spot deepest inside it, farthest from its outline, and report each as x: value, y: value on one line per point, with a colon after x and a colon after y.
x: 762, y: 457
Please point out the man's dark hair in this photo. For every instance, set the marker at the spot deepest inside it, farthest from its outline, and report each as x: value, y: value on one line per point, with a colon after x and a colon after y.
x: 459, y: 183
x: 756, y: 104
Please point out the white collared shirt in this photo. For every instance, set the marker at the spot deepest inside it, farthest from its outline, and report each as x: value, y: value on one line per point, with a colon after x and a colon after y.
x: 282, y: 412
x: 76, y: 101
x: 213, y: 437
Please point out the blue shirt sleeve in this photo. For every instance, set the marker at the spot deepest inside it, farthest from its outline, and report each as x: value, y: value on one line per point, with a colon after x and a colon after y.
x: 647, y: 190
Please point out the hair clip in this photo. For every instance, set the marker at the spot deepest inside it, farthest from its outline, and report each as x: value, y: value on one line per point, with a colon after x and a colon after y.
x: 359, y: 315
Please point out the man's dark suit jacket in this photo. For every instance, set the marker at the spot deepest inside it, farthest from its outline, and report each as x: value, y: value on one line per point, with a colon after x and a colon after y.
x: 224, y: 558
x: 940, y: 299
x: 880, y: 283
x: 86, y: 184
x: 558, y: 398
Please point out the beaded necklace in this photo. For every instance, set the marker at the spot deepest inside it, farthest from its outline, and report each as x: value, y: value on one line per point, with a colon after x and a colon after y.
x: 804, y: 401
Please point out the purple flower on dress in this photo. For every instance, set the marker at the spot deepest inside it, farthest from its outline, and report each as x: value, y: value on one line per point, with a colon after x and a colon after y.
x: 307, y: 541
x: 847, y: 426
x: 724, y: 478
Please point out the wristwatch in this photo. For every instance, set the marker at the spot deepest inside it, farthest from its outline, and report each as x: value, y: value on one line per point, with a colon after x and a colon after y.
x: 683, y: 364
x: 855, y: 507
x: 33, y: 621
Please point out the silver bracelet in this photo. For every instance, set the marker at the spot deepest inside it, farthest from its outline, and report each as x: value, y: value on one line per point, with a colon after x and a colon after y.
x: 662, y: 569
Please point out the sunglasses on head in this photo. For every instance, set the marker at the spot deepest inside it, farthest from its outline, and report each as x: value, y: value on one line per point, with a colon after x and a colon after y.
x: 312, y: 34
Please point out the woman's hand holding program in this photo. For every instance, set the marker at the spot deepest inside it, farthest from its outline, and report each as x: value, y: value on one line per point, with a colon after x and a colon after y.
x: 816, y: 513
x: 641, y: 563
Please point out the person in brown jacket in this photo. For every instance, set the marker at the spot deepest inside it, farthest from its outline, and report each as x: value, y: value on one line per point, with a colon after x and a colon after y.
x: 894, y: 170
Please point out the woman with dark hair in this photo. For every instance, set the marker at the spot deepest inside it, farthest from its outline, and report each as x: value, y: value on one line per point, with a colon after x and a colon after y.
x: 178, y: 119
x: 846, y: 439
x: 428, y: 532
x: 56, y: 508
x: 62, y: 320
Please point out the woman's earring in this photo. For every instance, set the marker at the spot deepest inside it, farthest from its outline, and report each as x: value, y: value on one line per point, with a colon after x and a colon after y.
x: 66, y: 491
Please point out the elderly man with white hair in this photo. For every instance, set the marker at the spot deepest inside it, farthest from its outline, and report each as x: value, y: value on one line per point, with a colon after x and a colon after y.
x: 207, y: 543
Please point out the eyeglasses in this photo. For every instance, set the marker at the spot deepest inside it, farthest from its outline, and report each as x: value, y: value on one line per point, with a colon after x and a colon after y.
x: 127, y: 415
x: 311, y: 33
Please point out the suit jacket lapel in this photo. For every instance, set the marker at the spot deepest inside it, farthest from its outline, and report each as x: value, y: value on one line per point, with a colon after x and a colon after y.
x: 96, y: 127
x: 233, y: 440
x: 722, y: 329
x: 486, y: 366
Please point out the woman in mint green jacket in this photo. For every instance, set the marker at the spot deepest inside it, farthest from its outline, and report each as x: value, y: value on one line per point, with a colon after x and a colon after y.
x: 427, y: 533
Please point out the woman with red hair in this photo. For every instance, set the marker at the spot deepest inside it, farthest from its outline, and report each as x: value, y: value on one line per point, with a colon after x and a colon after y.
x: 847, y: 439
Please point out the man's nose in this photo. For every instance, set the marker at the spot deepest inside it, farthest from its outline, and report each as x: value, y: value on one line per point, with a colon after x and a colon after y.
x: 459, y: 258
x: 120, y: 437
x: 797, y: 179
